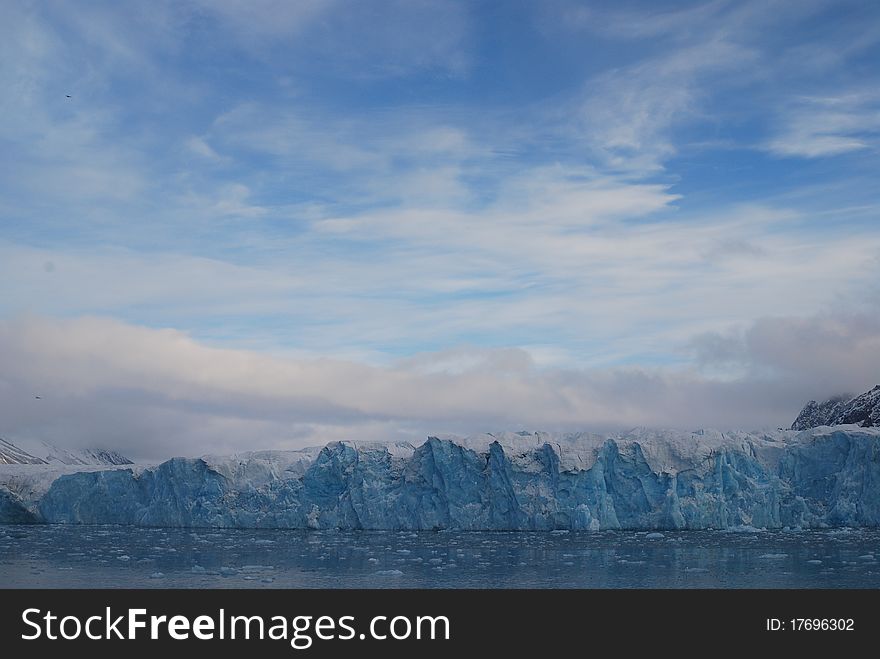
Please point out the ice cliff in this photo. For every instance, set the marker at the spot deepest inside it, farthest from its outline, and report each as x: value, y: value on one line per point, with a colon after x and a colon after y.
x: 639, y: 480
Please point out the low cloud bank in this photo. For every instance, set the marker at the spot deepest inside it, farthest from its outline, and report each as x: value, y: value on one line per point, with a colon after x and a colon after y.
x: 155, y: 393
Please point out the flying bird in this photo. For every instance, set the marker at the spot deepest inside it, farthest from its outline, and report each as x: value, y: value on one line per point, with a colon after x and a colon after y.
x: 68, y: 96
x: 38, y: 397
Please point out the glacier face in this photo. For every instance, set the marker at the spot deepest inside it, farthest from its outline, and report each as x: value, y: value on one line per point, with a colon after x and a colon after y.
x: 639, y: 480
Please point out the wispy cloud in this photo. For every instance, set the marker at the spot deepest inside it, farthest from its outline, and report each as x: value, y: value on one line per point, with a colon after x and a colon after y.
x: 568, y: 272
x: 709, y: 54
x: 631, y: 114
x: 384, y: 39
x: 828, y: 126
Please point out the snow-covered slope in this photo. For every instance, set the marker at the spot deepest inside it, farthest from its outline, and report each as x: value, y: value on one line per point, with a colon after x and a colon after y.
x: 24, y: 452
x: 645, y: 479
x: 863, y: 410
x: 10, y: 454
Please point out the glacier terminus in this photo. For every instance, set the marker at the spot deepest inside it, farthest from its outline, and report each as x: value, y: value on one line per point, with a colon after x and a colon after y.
x: 643, y: 479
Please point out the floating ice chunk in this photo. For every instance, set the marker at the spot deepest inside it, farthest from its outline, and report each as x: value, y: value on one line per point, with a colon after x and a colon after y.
x: 157, y: 575
x: 773, y: 557
x: 654, y: 536
x: 390, y: 573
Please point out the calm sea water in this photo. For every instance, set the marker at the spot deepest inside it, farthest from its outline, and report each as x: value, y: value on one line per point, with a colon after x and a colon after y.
x: 113, y: 556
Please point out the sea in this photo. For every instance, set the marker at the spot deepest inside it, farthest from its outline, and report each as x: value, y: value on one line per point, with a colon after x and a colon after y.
x: 58, y: 556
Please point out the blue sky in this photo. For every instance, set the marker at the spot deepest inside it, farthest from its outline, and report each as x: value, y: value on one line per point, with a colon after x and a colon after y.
x: 577, y: 192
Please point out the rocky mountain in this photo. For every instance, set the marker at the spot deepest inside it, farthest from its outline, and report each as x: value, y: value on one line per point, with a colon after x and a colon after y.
x: 862, y: 410
x: 96, y: 456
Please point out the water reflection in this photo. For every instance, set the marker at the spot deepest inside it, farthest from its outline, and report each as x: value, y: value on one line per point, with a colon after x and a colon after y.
x: 112, y: 556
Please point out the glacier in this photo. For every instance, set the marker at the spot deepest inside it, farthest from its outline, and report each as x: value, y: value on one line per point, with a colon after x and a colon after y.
x: 643, y: 479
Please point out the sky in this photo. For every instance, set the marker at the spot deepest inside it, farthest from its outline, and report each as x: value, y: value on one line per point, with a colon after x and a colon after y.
x: 236, y: 225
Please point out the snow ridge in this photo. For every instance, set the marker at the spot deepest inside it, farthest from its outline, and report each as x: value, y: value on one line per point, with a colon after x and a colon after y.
x: 43, y: 453
x: 10, y: 454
